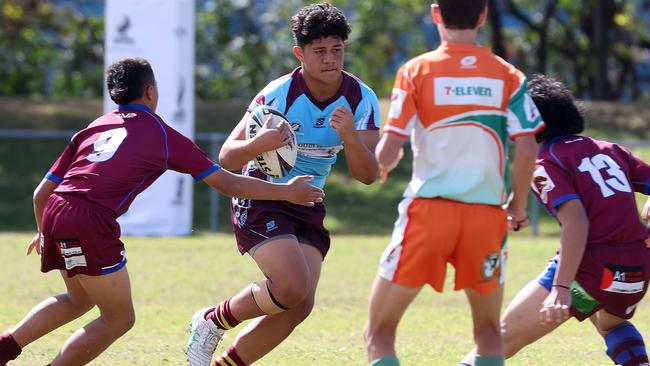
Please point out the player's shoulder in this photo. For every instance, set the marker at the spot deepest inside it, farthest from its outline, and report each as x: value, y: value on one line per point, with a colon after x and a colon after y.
x: 356, y: 81
x: 569, y: 147
x: 279, y: 85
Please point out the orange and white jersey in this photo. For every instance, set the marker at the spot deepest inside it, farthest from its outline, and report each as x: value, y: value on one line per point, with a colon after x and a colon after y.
x: 459, y: 103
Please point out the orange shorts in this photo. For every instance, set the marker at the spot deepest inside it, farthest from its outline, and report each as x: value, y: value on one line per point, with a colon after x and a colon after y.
x: 431, y: 232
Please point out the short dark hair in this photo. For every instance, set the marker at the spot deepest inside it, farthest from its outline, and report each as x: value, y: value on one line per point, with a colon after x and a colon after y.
x: 318, y: 21
x: 127, y: 78
x: 461, y: 14
x: 560, y: 111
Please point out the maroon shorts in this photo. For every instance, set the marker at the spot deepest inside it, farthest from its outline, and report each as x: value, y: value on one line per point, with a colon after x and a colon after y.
x: 80, y: 237
x: 611, y: 277
x: 258, y: 222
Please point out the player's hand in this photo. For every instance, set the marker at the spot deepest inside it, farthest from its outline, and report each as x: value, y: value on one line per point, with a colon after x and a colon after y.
x: 517, y: 224
x: 269, y: 138
x: 645, y: 213
x: 303, y: 193
x: 385, y: 170
x: 555, y: 309
x: 342, y: 120
x: 35, y: 244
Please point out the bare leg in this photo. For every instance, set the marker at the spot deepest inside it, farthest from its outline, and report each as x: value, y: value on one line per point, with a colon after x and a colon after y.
x: 112, y: 294
x: 53, y: 312
x: 264, y: 333
x: 388, y: 302
x: 520, y: 325
x: 485, y: 317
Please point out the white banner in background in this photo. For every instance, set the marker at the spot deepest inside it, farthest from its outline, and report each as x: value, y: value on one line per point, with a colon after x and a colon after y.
x: 162, y: 31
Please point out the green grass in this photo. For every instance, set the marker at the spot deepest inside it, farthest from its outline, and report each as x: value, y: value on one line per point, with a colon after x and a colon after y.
x: 172, y: 277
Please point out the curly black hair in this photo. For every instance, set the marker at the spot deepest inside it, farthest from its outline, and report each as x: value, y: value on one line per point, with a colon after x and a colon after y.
x: 318, y: 21
x: 127, y: 78
x: 562, y: 114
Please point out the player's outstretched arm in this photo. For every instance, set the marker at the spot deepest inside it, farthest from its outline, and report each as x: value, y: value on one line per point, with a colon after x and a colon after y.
x: 237, y: 150
x: 297, y: 190
x: 573, y: 240
x: 41, y: 194
x: 526, y: 149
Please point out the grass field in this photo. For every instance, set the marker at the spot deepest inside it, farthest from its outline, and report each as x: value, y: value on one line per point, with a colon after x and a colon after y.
x: 172, y: 277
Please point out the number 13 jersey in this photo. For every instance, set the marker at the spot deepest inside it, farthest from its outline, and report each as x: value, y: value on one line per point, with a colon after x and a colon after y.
x: 603, y: 176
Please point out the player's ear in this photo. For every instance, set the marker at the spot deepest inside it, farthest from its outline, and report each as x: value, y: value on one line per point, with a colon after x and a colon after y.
x: 435, y: 14
x: 297, y: 51
x: 483, y: 18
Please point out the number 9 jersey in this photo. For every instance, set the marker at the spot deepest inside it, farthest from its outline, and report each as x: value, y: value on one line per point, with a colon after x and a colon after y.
x: 603, y: 175
x: 121, y: 154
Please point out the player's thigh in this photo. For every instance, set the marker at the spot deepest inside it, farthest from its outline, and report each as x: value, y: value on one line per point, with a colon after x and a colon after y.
x: 485, y: 307
x: 111, y: 293
x: 388, y: 302
x: 76, y: 292
x: 520, y: 324
x: 605, y: 321
x: 283, y: 259
x: 314, y: 259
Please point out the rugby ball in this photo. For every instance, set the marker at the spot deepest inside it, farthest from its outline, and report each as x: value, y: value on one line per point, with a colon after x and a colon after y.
x: 275, y: 163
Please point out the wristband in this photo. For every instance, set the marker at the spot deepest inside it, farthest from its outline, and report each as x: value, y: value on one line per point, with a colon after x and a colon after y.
x: 562, y: 286
x: 518, y: 223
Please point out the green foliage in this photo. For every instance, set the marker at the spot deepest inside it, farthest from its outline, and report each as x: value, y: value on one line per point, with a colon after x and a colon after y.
x: 55, y: 50
x: 49, y: 50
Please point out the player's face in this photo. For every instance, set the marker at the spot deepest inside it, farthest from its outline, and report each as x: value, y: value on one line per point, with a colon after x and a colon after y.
x: 322, y: 59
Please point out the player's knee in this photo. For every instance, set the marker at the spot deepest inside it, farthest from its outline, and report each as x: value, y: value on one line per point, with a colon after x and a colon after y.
x: 302, y: 310
x: 120, y: 322
x: 291, y: 292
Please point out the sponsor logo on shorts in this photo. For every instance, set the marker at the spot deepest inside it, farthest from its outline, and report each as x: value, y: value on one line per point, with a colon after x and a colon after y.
x: 76, y: 261
x: 271, y: 225
x: 490, y: 267
x: 72, y: 253
x: 622, y: 279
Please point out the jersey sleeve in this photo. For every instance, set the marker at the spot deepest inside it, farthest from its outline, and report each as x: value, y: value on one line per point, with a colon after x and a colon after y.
x: 402, y: 115
x: 61, y: 165
x: 639, y: 174
x: 185, y: 157
x: 552, y: 185
x: 366, y: 117
x: 522, y: 114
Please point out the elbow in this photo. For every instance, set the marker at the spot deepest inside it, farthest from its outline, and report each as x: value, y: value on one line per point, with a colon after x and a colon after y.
x: 227, y: 162
x: 370, y: 178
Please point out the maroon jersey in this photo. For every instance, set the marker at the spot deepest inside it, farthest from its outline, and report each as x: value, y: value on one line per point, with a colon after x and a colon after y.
x: 603, y: 175
x: 121, y: 154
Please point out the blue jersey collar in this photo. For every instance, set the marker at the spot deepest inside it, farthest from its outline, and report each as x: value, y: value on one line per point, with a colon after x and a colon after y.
x: 131, y: 107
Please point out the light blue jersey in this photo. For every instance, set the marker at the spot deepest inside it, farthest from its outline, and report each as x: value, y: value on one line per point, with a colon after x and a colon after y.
x: 318, y: 142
